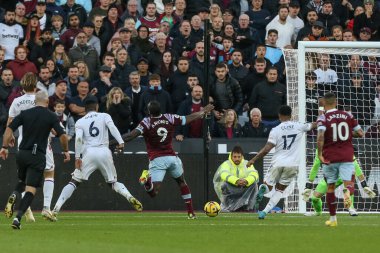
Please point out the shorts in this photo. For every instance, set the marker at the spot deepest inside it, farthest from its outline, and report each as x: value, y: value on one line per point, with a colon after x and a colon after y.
x: 334, y: 171
x: 30, y: 168
x: 282, y: 175
x: 49, y: 158
x: 158, y: 167
x: 96, y: 158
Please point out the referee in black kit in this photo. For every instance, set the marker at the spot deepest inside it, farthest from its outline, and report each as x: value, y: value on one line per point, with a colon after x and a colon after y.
x: 37, y: 124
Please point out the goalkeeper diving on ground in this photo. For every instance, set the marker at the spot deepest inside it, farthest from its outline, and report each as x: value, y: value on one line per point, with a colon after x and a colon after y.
x: 321, y: 189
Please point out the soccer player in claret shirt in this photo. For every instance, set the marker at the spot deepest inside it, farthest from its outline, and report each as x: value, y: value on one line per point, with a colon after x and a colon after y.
x: 336, y: 152
x: 158, y: 131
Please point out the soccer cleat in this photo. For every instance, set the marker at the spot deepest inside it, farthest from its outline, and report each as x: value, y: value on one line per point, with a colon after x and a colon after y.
x: 144, y: 177
x: 48, y: 215
x: 330, y: 223
x: 369, y: 192
x: 259, y: 197
x: 136, y: 204
x: 309, y: 214
x: 54, y: 213
x: 191, y: 216
x: 8, y: 211
x: 29, y: 217
x: 262, y: 215
x: 16, y: 224
x: 352, y: 212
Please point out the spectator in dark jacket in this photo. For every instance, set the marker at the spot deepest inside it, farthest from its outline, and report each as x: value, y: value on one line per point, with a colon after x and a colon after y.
x: 72, y: 7
x: 185, y: 42
x: 268, y: 96
x: 119, y: 108
x: 134, y: 92
x: 155, y: 92
x: 104, y: 84
x: 111, y: 23
x: 192, y: 7
x: 43, y: 50
x: 328, y: 17
x: 225, y: 90
x: 255, y: 128
x: 177, y: 85
x: 259, y: 17
x: 228, y: 127
x: 122, y: 68
x: 370, y: 18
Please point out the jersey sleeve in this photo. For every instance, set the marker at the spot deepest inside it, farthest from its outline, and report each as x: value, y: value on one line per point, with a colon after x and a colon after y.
x: 141, y: 127
x: 175, y: 119
x: 13, y: 111
x: 321, y: 123
x: 305, y: 127
x: 272, y: 137
x: 354, y: 123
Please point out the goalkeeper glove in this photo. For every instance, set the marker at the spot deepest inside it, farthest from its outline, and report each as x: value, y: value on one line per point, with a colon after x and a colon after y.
x: 369, y: 192
x: 307, y: 192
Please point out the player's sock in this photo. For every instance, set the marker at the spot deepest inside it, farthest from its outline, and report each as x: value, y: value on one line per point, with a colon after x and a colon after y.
x: 122, y: 190
x: 66, y: 193
x: 186, y: 196
x: 277, y: 195
x: 330, y: 198
x: 317, y: 204
x: 48, y: 192
x: 24, y: 204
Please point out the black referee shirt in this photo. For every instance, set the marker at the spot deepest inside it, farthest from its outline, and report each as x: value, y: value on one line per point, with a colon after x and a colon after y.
x: 37, y: 123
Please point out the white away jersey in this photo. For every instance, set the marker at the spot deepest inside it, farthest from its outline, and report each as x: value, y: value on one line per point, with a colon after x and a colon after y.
x: 20, y: 104
x: 286, y: 137
x: 93, y: 130
x: 9, y: 39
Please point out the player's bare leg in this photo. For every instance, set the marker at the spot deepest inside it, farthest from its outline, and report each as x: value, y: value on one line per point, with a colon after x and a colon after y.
x: 274, y: 199
x: 186, y: 196
x: 48, y: 190
x: 331, y: 203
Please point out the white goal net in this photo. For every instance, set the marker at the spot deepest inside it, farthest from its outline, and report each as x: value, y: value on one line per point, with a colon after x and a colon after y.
x: 352, y: 71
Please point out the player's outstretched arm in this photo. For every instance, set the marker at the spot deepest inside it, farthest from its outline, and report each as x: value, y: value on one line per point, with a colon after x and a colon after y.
x: 263, y: 152
x: 131, y: 135
x: 7, y: 138
x: 198, y: 115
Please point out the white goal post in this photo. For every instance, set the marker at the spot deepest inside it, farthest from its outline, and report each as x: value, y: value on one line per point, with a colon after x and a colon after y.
x: 339, y: 53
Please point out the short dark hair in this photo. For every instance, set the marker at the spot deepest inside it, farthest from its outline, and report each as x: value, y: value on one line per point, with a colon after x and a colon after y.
x: 285, y: 110
x: 283, y: 6
x: 260, y: 60
x: 154, y: 108
x: 329, y: 98
x: 271, y: 68
x: 237, y: 150
x: 220, y: 65
x: 154, y: 77
x: 272, y: 31
x: 59, y: 101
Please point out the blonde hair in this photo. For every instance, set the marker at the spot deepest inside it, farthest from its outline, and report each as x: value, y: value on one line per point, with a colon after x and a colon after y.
x: 65, y: 58
x: 110, y: 96
x: 224, y: 120
x: 28, y: 82
x: 86, y: 73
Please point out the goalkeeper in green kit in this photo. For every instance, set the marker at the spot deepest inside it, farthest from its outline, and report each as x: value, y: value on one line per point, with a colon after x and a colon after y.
x: 321, y: 188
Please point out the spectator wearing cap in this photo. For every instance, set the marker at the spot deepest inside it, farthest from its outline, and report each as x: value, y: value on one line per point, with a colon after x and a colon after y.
x: 358, y: 99
x: 103, y: 84
x: 313, y: 96
x: 43, y: 49
x: 131, y: 11
x: 365, y: 34
x: 125, y: 36
x: 259, y: 17
x: 328, y: 17
x: 317, y: 32
x: 88, y: 29
x: 12, y: 35
x: 21, y: 65
x: 246, y: 38
x: 57, y: 26
x: 283, y: 26
x: 86, y: 53
x: 156, y: 53
x: 122, y: 68
x: 68, y: 37
x: 20, y: 16
x: 43, y: 15
x: 155, y: 92
x: 143, y: 69
x: 59, y: 94
x: 134, y: 92
x: 101, y: 10
x: 72, y: 6
x: 141, y: 46
x: 32, y: 32
x: 151, y: 19
x: 370, y: 18
x: 111, y: 23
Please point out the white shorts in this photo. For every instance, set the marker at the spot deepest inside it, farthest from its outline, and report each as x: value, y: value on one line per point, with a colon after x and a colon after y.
x: 282, y: 175
x: 49, y: 158
x: 96, y: 158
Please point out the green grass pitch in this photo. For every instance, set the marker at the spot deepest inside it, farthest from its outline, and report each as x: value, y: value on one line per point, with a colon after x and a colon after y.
x: 168, y: 232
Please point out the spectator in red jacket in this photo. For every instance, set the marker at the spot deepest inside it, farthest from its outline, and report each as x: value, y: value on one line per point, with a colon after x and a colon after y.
x: 20, y: 65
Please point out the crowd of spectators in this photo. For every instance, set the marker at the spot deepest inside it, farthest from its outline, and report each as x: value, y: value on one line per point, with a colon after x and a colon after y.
x: 130, y: 52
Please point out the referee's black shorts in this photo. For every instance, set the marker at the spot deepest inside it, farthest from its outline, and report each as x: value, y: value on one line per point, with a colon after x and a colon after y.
x: 31, y: 167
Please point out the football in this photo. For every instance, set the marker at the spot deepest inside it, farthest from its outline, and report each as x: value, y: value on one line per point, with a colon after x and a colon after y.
x: 212, y: 209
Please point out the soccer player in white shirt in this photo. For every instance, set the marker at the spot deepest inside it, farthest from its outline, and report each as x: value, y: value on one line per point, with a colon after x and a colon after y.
x: 91, y: 141
x: 285, y: 138
x: 26, y: 101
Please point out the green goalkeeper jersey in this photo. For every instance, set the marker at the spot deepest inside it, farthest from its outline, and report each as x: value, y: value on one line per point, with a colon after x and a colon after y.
x: 317, y: 165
